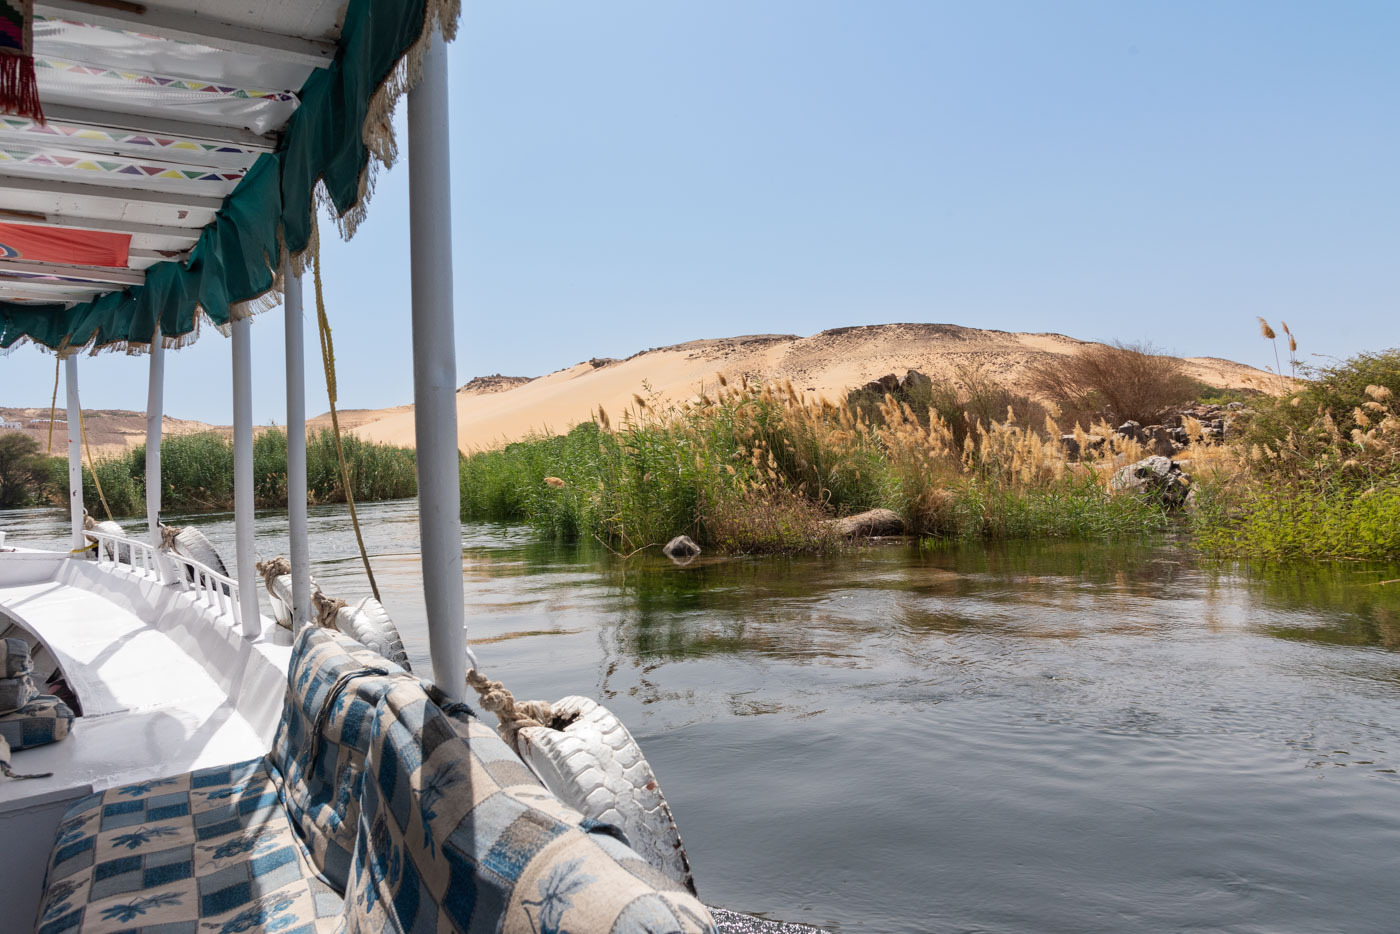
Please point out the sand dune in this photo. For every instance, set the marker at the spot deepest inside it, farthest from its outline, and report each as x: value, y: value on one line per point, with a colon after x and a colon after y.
x: 826, y: 364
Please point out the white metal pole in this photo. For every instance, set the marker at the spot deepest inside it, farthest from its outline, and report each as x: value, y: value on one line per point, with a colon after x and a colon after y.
x: 155, y: 410
x: 75, y: 451
x: 435, y: 372
x: 243, y: 474
x: 296, y: 448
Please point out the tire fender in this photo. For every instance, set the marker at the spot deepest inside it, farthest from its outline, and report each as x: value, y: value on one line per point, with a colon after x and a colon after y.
x: 594, y: 765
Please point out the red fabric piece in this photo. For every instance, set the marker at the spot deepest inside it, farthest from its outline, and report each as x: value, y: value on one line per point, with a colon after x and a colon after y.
x: 61, y: 245
x: 19, y: 87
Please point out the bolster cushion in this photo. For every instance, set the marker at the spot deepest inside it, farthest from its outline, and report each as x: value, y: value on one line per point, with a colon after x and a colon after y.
x: 16, y: 692
x: 318, y: 753
x: 457, y: 836
x: 45, y: 719
x: 14, y: 658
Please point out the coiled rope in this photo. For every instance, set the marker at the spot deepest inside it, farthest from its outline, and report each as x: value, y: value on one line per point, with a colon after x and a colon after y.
x: 323, y: 327
x: 513, y: 715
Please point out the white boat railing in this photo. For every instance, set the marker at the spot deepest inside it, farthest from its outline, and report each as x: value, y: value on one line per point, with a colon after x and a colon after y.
x: 203, y: 583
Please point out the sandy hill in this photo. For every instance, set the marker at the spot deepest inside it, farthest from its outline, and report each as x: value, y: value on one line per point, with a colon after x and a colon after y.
x: 496, y: 410
x: 109, y: 431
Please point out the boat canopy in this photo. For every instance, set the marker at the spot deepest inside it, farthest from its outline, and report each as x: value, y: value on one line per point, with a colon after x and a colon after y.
x: 185, y: 146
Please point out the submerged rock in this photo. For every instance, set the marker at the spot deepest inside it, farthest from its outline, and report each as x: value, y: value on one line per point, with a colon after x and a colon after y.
x: 1155, y: 476
x: 682, y: 546
x: 870, y: 524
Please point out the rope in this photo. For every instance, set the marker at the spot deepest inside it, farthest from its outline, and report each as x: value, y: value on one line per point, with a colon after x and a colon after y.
x: 11, y: 773
x: 92, y: 465
x: 87, y: 547
x: 272, y: 569
x: 513, y: 715
x: 325, y: 608
x: 53, y: 405
x: 168, y: 534
x: 323, y: 327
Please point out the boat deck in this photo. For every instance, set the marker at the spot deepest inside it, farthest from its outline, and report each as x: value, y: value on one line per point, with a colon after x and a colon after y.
x: 148, y: 708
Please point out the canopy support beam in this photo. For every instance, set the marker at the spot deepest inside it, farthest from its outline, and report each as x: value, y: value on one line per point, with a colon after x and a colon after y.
x: 243, y: 475
x: 75, y: 451
x: 296, y: 447
x: 68, y: 114
x: 186, y: 27
x: 435, y: 372
x: 123, y: 193
x: 109, y: 274
x: 190, y: 234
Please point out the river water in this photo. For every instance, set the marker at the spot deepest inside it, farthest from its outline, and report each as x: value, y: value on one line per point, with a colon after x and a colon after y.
x: 1039, y: 738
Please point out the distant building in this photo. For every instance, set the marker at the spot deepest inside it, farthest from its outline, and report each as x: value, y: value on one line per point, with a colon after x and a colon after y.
x: 6, y: 423
x: 44, y: 423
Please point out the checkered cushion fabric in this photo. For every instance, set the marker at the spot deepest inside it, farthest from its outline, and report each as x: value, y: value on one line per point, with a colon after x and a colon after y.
x: 334, y: 684
x: 16, y: 692
x: 209, y: 852
x: 45, y: 719
x: 457, y: 836
x: 14, y: 658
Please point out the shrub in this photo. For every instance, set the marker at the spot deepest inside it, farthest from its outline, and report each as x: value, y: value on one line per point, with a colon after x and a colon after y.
x: 1118, y: 382
x: 22, y: 469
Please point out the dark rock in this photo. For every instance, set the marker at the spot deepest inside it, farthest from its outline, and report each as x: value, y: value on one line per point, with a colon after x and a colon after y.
x: 1156, y: 476
x: 873, y: 523
x: 1130, y: 429
x: 1071, y: 445
x: 1159, y: 440
x: 914, y: 381
x: 682, y: 546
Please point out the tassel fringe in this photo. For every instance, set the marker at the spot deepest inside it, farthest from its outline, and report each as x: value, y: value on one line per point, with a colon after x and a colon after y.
x: 19, y: 87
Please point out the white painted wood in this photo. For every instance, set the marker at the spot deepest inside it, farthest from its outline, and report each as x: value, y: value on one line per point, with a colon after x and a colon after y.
x: 435, y: 372
x: 243, y: 475
x: 125, y: 193
x: 115, y: 225
x: 296, y: 447
x: 184, y: 27
x: 159, y: 126
x: 75, y: 450
x: 86, y: 273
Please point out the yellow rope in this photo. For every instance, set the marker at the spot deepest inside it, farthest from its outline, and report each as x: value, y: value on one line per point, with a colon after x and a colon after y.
x: 323, y: 327
x: 53, y: 406
x: 92, y: 465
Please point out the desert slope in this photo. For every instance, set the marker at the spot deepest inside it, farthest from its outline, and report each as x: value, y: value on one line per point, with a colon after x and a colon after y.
x: 824, y: 364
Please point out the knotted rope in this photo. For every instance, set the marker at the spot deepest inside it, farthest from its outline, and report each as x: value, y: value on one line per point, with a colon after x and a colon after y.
x: 168, y: 534
x: 272, y: 569
x: 513, y: 715
x: 325, y: 608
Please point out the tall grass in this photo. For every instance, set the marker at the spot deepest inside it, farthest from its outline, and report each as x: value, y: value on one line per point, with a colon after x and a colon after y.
x: 760, y: 468
x: 197, y: 473
x: 1317, y: 472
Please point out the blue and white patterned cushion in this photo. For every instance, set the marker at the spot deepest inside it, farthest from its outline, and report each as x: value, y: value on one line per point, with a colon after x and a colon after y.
x: 16, y: 692
x: 14, y: 658
x: 45, y: 719
x: 457, y: 836
x: 210, y: 851
x: 334, y: 684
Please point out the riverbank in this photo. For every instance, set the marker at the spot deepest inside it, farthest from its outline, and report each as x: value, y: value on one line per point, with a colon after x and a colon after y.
x: 1313, y: 471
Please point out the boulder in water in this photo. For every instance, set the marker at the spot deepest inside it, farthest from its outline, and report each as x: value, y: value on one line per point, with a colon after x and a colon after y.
x: 682, y: 546
x: 871, y: 524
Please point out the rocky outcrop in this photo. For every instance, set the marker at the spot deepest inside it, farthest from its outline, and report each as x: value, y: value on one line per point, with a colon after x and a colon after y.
x: 873, y: 523
x: 1170, y: 437
x: 1158, y: 477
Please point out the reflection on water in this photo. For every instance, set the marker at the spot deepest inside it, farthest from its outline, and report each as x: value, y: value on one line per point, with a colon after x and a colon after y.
x: 1040, y: 738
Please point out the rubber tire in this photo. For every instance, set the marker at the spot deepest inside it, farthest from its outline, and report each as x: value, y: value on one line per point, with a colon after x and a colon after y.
x: 280, y: 596
x: 368, y: 623
x: 595, y: 766
x: 122, y: 555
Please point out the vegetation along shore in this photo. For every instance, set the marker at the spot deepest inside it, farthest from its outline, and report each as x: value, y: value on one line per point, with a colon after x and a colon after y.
x: 1113, y: 442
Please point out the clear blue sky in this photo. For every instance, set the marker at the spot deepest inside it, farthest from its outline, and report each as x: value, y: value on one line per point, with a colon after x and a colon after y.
x: 633, y: 174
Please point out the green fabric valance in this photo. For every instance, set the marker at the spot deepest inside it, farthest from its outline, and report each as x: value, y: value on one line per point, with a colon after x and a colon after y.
x: 236, y: 258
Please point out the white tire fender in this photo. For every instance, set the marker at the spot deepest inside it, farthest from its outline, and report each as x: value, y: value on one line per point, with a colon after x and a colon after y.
x: 595, y: 766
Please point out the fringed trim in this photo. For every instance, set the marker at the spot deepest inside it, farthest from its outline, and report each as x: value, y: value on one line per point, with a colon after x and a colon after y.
x: 19, y: 87
x: 377, y: 132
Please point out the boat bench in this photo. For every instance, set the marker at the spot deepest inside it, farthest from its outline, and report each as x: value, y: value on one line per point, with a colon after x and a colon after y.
x: 382, y: 807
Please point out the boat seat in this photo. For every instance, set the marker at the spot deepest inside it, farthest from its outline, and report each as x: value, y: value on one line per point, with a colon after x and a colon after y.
x: 381, y: 807
x: 210, y: 851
